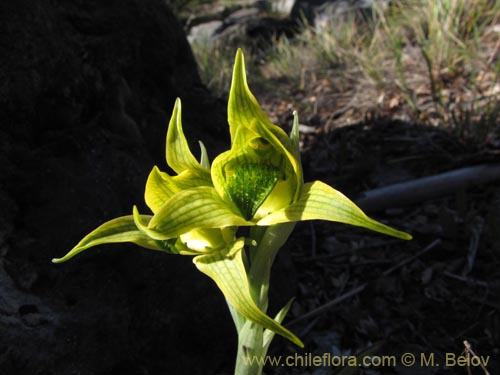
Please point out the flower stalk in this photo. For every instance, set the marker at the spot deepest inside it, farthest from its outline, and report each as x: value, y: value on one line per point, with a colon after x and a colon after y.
x: 253, y: 340
x: 257, y: 183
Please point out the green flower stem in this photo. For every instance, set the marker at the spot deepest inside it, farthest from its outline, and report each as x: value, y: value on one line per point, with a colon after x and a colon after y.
x: 249, y: 360
x: 251, y: 343
x: 269, y: 240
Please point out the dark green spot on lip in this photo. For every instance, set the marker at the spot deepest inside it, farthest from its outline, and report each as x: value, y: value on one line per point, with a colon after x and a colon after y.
x: 250, y: 184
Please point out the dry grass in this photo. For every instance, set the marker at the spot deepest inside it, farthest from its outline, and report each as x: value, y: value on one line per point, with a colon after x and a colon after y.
x: 215, y: 65
x: 432, y: 61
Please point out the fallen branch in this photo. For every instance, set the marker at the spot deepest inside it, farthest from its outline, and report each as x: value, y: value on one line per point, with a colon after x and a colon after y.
x: 428, y: 188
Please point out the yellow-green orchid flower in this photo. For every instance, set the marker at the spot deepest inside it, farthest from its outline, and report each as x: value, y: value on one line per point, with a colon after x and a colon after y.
x: 258, y: 182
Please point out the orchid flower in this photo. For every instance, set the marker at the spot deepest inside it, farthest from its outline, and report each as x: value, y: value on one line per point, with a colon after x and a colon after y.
x: 258, y: 183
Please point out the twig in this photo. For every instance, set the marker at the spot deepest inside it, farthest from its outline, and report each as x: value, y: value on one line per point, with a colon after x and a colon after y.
x: 412, y: 258
x: 467, y: 280
x: 330, y: 304
x: 468, y: 349
x: 360, y: 288
x: 476, y: 229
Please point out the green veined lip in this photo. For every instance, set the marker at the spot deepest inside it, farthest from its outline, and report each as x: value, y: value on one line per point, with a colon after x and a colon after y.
x: 249, y: 184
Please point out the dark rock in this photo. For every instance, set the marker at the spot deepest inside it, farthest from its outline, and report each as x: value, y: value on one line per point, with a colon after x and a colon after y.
x: 245, y: 22
x: 310, y: 11
x: 86, y: 93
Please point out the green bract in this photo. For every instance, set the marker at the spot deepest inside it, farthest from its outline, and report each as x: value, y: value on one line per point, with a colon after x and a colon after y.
x: 258, y: 182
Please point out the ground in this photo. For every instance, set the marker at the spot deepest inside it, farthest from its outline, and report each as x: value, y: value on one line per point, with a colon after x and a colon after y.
x: 120, y: 310
x: 429, y: 295
x: 358, y: 293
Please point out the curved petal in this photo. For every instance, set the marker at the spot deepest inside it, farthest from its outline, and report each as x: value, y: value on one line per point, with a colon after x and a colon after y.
x: 228, y: 272
x: 235, y: 155
x: 122, y: 229
x: 160, y: 187
x: 179, y: 156
x: 318, y: 201
x: 200, y: 207
x: 293, y: 157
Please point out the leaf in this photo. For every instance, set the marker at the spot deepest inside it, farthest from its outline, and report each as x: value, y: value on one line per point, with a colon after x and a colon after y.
x: 228, y: 272
x: 268, y: 334
x: 122, y: 229
x: 179, y: 156
x: 200, y: 207
x: 318, y: 201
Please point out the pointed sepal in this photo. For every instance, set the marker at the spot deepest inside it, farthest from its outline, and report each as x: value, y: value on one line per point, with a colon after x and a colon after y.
x: 122, y: 229
x: 319, y: 201
x: 179, y: 155
x: 228, y: 272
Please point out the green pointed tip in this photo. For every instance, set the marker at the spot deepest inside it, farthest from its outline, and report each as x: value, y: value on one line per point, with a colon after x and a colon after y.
x: 300, y: 343
x: 296, y: 341
x: 406, y: 236
x: 240, y: 58
x: 239, y: 93
x: 228, y: 270
x: 294, y: 134
x: 177, y: 111
x: 204, y: 161
x: 238, y: 69
x: 137, y: 219
x: 65, y: 258
x: 239, y: 79
x: 62, y: 259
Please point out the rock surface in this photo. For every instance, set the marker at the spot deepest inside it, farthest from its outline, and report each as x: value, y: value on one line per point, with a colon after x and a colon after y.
x: 320, y: 11
x: 265, y: 21
x: 86, y: 92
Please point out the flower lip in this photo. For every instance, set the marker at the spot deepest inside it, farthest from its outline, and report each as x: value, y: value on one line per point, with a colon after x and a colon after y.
x: 250, y: 184
x: 250, y: 176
